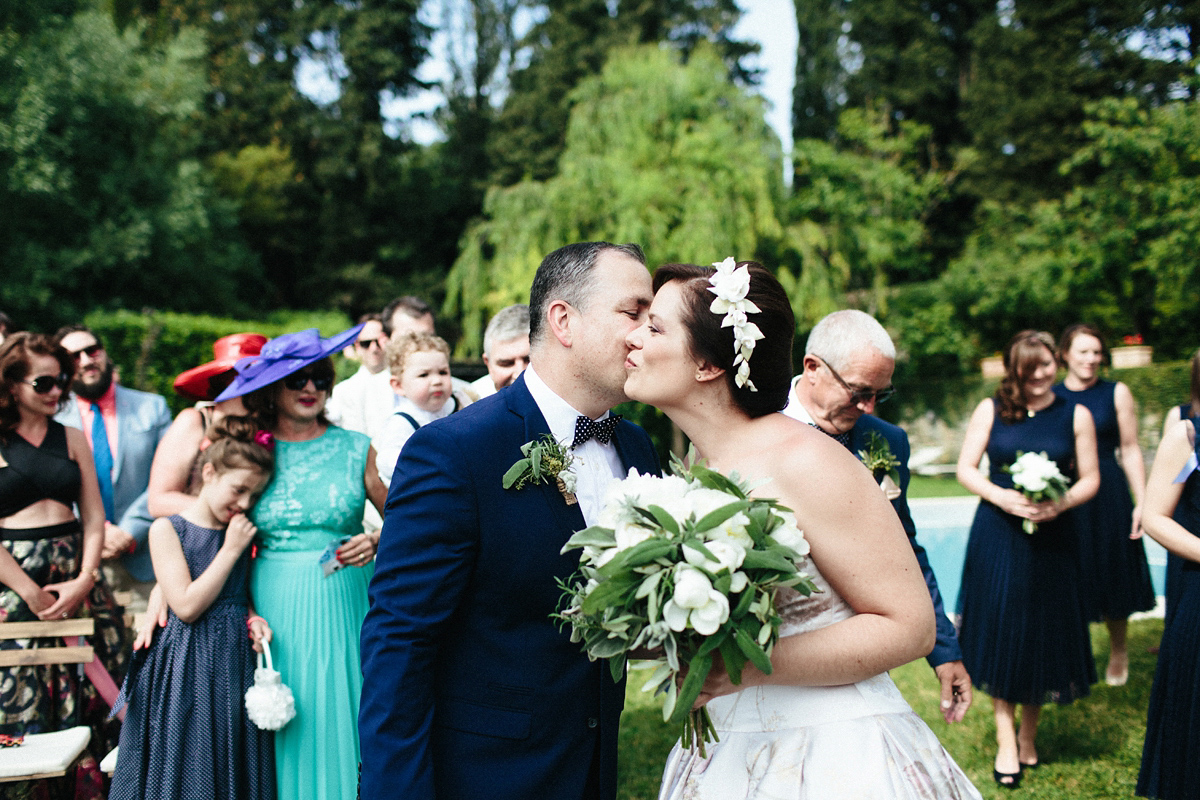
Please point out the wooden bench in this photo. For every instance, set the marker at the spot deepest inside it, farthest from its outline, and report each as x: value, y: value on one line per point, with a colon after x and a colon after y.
x: 45, y: 755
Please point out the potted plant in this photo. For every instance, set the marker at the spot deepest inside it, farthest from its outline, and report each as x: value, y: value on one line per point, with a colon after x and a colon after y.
x: 1132, y: 353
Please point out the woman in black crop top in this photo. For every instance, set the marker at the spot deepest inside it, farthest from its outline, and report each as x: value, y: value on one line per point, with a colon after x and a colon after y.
x: 49, y: 558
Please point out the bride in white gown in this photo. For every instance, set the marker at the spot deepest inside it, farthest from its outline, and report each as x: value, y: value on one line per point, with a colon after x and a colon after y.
x: 827, y: 723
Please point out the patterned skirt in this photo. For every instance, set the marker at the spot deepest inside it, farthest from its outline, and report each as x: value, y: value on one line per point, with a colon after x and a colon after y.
x: 41, y: 699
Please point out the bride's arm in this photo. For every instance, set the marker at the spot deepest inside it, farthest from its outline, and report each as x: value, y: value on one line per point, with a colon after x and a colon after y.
x: 860, y: 548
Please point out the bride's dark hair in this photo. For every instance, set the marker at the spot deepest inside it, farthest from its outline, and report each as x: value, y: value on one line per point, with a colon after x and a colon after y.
x: 771, y: 363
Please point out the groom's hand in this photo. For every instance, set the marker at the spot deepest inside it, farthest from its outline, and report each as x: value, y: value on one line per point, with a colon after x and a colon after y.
x: 956, y: 690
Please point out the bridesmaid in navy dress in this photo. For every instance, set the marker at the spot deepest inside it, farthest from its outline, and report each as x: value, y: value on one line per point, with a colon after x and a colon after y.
x: 1024, y: 628
x: 1189, y: 410
x: 1171, y: 515
x: 1116, y: 578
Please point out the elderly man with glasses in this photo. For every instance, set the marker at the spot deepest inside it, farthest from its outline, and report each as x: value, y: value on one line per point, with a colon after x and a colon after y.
x: 848, y: 364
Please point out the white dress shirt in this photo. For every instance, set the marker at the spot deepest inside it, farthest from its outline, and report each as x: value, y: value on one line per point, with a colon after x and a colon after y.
x: 397, y: 430
x: 362, y: 402
x: 596, y: 465
x: 795, y: 409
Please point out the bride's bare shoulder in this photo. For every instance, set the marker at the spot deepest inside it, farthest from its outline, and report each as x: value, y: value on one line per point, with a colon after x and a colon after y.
x: 798, y: 452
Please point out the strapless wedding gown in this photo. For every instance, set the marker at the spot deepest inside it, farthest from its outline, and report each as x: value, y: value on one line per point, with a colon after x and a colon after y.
x: 861, y: 741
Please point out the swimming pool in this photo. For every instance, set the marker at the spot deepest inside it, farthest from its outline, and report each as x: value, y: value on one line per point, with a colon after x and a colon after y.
x: 942, y: 527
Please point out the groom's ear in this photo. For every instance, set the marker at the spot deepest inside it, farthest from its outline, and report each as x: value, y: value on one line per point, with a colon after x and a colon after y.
x: 559, y: 316
x: 706, y: 372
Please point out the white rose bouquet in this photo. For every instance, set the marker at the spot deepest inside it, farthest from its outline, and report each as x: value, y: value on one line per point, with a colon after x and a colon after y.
x: 688, y: 565
x: 1038, y: 478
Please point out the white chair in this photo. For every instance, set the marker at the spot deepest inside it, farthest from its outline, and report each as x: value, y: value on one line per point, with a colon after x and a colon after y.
x: 45, y: 755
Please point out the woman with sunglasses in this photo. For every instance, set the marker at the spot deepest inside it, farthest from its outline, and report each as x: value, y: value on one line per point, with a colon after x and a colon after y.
x: 49, y: 558
x: 1024, y: 632
x: 310, y: 526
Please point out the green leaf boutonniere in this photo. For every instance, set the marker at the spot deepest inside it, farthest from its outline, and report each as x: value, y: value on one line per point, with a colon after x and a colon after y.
x: 882, y: 462
x: 545, y: 460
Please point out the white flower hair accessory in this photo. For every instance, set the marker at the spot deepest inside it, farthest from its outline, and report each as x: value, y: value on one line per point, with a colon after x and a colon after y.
x: 731, y: 283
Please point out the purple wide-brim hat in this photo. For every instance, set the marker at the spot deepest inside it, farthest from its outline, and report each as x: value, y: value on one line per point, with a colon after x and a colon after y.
x: 282, y: 356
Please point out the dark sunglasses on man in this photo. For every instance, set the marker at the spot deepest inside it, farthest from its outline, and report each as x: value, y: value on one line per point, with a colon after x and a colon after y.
x: 91, y: 350
x: 42, y: 384
x: 298, y: 380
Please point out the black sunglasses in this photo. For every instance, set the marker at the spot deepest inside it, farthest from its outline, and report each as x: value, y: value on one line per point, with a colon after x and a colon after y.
x: 298, y: 380
x: 858, y: 396
x: 379, y: 342
x: 42, y: 384
x: 91, y: 350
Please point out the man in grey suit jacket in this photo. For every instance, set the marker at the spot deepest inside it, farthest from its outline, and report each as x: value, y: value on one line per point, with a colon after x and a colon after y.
x: 133, y: 423
x: 848, y: 363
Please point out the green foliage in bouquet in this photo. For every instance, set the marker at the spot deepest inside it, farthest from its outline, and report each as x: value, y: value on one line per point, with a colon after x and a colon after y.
x: 684, y: 567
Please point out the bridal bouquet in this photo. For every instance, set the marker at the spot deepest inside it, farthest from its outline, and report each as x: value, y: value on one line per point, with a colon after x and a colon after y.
x: 688, y: 565
x: 1039, y: 479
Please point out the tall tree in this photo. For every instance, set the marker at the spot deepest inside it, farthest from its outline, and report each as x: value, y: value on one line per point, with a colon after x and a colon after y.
x: 822, y: 67
x: 335, y: 237
x: 672, y: 156
x: 573, y: 42
x: 106, y: 203
x: 1038, y: 64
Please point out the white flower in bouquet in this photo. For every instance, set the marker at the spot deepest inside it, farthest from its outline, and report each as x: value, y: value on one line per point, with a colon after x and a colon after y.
x: 1037, y: 477
x: 695, y: 603
x: 688, y: 565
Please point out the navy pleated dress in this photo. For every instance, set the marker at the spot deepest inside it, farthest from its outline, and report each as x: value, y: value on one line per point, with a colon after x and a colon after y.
x: 1171, y: 755
x: 1116, y: 578
x: 1024, y: 629
x: 186, y: 733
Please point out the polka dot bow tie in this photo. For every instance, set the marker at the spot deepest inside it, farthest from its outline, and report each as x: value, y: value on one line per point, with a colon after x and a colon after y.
x: 601, y: 431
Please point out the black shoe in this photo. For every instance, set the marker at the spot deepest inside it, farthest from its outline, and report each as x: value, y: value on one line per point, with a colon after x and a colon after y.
x: 1006, y: 780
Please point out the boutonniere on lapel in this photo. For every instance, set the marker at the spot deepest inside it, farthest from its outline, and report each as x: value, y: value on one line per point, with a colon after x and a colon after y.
x: 545, y: 460
x: 882, y: 462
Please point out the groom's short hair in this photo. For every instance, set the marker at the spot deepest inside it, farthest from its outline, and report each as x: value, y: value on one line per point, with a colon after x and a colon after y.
x: 566, y: 274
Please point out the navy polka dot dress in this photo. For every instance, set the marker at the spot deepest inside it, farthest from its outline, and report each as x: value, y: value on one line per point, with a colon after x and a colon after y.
x: 186, y: 734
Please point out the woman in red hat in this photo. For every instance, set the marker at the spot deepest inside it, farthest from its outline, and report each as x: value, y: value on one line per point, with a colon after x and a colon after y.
x: 174, y: 475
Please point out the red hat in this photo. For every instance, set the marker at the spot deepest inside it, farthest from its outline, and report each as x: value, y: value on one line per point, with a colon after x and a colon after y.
x: 198, y: 382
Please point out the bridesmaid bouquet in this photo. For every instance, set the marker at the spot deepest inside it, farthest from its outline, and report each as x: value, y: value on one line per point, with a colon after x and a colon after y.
x: 686, y: 565
x: 1039, y: 479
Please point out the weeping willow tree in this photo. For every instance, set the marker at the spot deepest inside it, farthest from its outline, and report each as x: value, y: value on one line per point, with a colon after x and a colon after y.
x: 672, y: 156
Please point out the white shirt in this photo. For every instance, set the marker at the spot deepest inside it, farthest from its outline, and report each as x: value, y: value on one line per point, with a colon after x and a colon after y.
x: 795, y: 409
x: 482, y: 387
x: 362, y: 402
x: 397, y: 430
x: 596, y: 465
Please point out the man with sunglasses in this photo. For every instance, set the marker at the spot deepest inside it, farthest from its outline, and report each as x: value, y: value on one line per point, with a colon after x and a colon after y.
x: 363, y: 401
x: 123, y: 427
x: 847, y: 371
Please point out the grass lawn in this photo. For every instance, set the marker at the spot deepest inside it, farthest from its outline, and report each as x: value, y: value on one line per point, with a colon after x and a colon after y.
x: 936, y: 486
x: 1090, y: 749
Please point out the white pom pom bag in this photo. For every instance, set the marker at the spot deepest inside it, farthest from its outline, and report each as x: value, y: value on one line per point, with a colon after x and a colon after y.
x: 269, y: 704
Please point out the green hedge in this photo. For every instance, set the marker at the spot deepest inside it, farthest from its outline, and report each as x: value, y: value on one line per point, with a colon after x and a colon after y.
x: 151, y: 348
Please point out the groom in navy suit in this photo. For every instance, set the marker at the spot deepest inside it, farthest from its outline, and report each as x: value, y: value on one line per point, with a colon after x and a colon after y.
x: 848, y: 364
x: 470, y: 690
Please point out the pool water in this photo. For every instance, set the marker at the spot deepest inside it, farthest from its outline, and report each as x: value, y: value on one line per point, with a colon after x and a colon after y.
x: 943, y: 524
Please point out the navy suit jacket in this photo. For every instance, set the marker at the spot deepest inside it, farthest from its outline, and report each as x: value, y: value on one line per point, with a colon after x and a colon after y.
x: 142, y: 419
x: 469, y: 688
x: 946, y: 648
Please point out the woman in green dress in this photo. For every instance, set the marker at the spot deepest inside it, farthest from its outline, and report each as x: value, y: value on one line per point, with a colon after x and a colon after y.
x: 314, y: 560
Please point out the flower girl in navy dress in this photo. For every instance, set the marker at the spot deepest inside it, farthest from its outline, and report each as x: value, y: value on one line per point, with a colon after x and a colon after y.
x: 186, y: 733
x: 1171, y: 515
